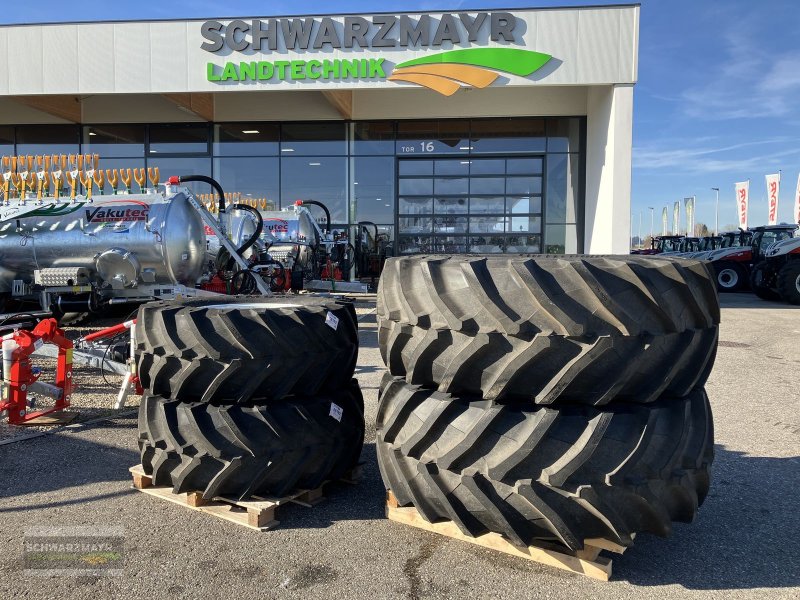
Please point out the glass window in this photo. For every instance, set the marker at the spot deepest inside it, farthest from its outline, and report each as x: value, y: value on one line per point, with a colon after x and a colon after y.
x: 561, y: 239
x: 508, y: 135
x: 487, y: 205
x: 526, y: 204
x: 253, y: 178
x: 373, y: 137
x: 246, y: 139
x: 48, y: 139
x: 459, y: 185
x: 563, y: 135
x: 323, y: 179
x: 415, y: 224
x: 178, y: 139
x: 373, y: 188
x: 443, y: 206
x: 450, y: 225
x: 524, y: 244
x: 416, y: 167
x: 451, y: 167
x: 449, y: 244
x: 416, y: 206
x: 307, y: 139
x: 524, y: 185
x: 487, y: 244
x: 113, y: 140
x: 487, y: 185
x: 414, y: 244
x: 525, y: 224
x: 563, y: 185
x: 487, y: 166
x: 524, y: 166
x: 416, y: 187
x: 6, y: 141
x: 423, y: 137
x: 183, y: 166
x: 488, y: 224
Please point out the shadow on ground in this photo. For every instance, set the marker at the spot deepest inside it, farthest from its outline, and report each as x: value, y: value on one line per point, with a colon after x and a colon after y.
x: 743, y: 538
x: 750, y: 300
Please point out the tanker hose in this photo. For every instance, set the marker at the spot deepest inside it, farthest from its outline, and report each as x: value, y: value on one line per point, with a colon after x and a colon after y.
x: 327, y: 213
x: 375, y: 227
x: 259, y: 226
x: 210, y: 181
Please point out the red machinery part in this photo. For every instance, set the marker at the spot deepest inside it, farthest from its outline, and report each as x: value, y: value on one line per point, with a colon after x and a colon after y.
x: 19, y: 377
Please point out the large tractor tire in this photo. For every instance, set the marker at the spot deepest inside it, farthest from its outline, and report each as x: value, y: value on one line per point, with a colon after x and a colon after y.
x: 251, y: 449
x: 233, y: 349
x: 550, y: 369
x: 789, y: 282
x: 762, y: 282
x: 731, y: 276
x: 536, y: 474
x: 549, y: 329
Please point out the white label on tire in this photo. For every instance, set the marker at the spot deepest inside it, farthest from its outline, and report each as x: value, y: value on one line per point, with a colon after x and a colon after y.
x: 336, y: 412
x: 332, y: 321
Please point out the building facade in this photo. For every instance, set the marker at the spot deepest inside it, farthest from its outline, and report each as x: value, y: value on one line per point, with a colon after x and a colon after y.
x: 484, y: 131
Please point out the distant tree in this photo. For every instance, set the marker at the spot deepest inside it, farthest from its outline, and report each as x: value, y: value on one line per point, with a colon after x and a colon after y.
x: 701, y: 230
x: 729, y: 228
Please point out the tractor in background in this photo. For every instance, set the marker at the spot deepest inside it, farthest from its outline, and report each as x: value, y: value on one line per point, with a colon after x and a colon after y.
x: 777, y: 276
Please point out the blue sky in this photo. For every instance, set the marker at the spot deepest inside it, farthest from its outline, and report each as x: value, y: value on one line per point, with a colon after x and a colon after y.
x: 718, y: 98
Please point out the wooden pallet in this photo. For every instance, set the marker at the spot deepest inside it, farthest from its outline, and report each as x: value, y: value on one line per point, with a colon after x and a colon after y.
x: 258, y: 513
x: 584, y: 562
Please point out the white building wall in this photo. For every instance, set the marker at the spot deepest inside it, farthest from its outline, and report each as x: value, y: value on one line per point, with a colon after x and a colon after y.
x: 609, y: 136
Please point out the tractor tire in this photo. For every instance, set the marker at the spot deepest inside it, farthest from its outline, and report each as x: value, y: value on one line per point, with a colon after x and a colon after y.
x: 525, y: 296
x: 549, y: 330
x: 535, y: 474
x: 731, y: 276
x: 232, y: 349
x: 762, y: 281
x: 789, y: 282
x: 550, y: 369
x: 251, y: 449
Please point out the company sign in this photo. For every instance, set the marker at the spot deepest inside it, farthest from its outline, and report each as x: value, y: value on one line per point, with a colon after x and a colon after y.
x: 444, y: 72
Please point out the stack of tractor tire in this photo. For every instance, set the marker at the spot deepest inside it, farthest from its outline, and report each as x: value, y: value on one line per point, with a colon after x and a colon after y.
x: 548, y: 399
x: 248, y: 396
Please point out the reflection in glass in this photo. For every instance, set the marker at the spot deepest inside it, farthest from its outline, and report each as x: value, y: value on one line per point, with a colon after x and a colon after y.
x: 486, y: 205
x: 563, y: 135
x: 178, y: 139
x: 415, y: 187
x: 526, y: 204
x: 508, y: 135
x: 450, y: 225
x: 524, y: 244
x: 451, y: 167
x: 414, y: 244
x: 47, y: 139
x: 561, y: 239
x: 246, y: 139
x: 524, y: 185
x: 487, y: 166
x: 318, y: 138
x: 487, y: 224
x: 524, y: 166
x: 487, y: 185
x: 526, y: 224
x: 416, y: 167
x: 563, y: 184
x: 376, y: 137
x: 450, y: 206
x: 415, y: 224
x: 488, y: 244
x: 373, y: 188
x: 457, y: 185
x: 6, y: 140
x: 320, y: 178
x: 449, y: 244
x: 113, y: 140
x: 252, y: 177
x: 416, y: 206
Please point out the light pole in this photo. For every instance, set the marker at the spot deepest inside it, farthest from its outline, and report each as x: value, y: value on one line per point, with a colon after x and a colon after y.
x: 640, y: 230
x: 651, y: 222
x: 716, y: 213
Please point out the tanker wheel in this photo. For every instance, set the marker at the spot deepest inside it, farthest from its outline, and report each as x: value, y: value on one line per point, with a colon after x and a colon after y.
x: 234, y: 349
x: 730, y: 276
x: 535, y: 473
x: 789, y: 282
x: 252, y: 449
x: 760, y: 279
x: 73, y: 319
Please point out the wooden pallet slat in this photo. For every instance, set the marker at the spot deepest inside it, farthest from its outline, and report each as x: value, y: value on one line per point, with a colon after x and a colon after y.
x: 586, y: 562
x: 257, y: 514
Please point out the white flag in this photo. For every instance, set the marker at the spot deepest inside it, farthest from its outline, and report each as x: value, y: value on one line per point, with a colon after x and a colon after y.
x: 797, y: 202
x: 688, y: 204
x: 742, y: 199
x: 676, y: 218
x: 773, y: 192
x: 665, y: 217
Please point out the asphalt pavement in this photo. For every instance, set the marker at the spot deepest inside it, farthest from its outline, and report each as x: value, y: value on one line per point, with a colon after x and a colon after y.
x: 742, y: 545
